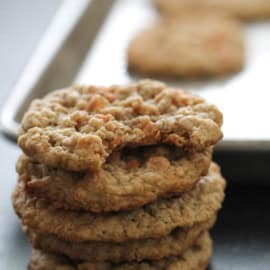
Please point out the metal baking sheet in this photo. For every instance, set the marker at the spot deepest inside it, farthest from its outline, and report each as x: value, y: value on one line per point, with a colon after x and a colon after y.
x: 243, y: 98
x: 58, y: 57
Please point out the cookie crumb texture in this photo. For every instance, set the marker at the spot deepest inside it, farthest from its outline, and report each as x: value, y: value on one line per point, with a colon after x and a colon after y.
x: 243, y: 9
x: 80, y: 127
x: 193, y: 45
x: 195, y: 258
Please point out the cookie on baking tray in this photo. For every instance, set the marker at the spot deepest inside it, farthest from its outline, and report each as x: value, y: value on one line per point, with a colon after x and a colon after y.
x: 242, y: 9
x: 190, y: 46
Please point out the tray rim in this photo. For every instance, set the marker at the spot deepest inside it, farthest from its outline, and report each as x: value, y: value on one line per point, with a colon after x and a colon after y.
x: 51, y: 43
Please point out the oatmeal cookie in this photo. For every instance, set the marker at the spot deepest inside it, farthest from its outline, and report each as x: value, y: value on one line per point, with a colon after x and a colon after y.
x: 243, y: 9
x: 150, y: 221
x: 195, y: 258
x: 130, y: 179
x: 173, y: 244
x: 80, y: 127
x: 190, y: 46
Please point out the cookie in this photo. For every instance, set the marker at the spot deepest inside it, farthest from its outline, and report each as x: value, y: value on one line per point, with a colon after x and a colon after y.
x: 145, y: 249
x: 243, y: 9
x: 151, y: 221
x: 195, y: 258
x: 189, y: 46
x: 80, y: 127
x: 128, y: 180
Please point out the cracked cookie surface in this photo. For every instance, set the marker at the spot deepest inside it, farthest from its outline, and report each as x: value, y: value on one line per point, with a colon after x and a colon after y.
x: 150, y: 221
x: 189, y: 46
x: 130, y: 179
x: 195, y: 258
x: 80, y: 127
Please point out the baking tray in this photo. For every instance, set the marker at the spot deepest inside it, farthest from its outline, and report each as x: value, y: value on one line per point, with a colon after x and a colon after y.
x: 57, y: 58
x: 85, y: 53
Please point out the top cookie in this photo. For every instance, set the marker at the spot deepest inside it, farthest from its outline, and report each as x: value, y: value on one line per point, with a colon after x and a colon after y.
x: 79, y: 127
x: 243, y: 9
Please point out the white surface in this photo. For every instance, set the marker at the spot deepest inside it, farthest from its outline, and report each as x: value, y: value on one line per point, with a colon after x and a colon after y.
x: 243, y: 98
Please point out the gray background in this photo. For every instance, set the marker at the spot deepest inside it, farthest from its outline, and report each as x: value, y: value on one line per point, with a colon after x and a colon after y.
x: 22, y: 23
x: 242, y: 235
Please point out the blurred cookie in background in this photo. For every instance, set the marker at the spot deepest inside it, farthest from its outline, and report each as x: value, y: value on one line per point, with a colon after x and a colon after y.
x: 243, y: 9
x: 195, y: 45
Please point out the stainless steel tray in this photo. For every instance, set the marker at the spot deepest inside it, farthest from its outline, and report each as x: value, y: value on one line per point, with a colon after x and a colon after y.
x: 58, y: 57
x: 243, y: 98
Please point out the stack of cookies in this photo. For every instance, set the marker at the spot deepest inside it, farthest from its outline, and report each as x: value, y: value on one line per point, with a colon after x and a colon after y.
x: 119, y: 177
